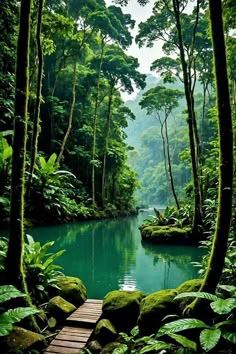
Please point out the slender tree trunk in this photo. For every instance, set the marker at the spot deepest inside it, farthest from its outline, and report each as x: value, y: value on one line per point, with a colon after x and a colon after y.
x: 170, y: 167
x: 14, y: 262
x: 72, y: 108
x: 197, y: 218
x: 108, y: 120
x: 36, y: 126
x: 95, y: 123
x: 219, y: 246
x: 164, y: 152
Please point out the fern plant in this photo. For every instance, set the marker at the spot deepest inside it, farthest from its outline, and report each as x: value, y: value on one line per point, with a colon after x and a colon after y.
x: 41, y: 272
x: 210, y: 335
x: 10, y: 317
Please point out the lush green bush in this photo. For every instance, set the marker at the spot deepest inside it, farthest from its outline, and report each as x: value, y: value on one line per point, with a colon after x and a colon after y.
x: 55, y: 194
x: 41, y: 272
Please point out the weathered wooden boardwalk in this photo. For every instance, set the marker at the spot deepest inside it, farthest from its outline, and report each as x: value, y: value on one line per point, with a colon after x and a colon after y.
x: 78, y: 329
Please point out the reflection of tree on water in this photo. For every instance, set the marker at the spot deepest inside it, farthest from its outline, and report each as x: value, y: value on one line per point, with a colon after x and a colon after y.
x: 179, y: 256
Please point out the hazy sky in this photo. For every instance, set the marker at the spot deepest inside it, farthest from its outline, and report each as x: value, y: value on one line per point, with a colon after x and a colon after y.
x: 145, y: 55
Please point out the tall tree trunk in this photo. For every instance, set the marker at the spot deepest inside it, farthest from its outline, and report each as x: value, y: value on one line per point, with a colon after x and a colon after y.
x: 36, y: 126
x: 164, y: 153
x: 108, y: 120
x: 219, y: 246
x: 197, y: 217
x: 72, y: 108
x: 170, y: 167
x: 14, y: 262
x: 95, y: 122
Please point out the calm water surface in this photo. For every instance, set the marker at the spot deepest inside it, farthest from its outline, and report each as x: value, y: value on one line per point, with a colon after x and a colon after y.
x: 108, y: 255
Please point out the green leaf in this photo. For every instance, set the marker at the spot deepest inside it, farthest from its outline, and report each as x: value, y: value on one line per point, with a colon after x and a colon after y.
x: 135, y: 331
x: 180, y: 325
x: 230, y: 336
x: 157, y: 346
x: 16, y: 315
x: 185, y: 342
x: 52, y: 258
x: 197, y: 294
x: 209, y: 338
x: 8, y: 292
x: 6, y: 327
x: 122, y: 349
x: 223, y: 306
x: 229, y: 288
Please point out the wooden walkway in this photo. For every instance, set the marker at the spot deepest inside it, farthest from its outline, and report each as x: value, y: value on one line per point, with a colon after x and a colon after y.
x: 78, y: 329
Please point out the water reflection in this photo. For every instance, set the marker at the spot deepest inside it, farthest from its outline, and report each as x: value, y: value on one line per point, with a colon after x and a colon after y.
x: 109, y: 255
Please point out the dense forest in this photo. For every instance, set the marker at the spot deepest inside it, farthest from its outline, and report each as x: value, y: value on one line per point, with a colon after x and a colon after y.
x: 72, y: 149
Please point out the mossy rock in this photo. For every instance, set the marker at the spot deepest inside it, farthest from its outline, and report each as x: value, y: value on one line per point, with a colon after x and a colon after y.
x: 166, y: 234
x: 94, y: 347
x: 122, y: 308
x: 105, y: 331
x: 154, y: 308
x: 186, y: 287
x: 60, y: 308
x: 22, y: 340
x: 73, y: 290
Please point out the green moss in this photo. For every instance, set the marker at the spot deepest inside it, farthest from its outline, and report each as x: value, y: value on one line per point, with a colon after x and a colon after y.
x: 154, y: 308
x: 105, y: 331
x: 60, y: 308
x: 187, y: 286
x: 73, y: 290
x: 122, y: 308
x: 23, y: 340
x: 166, y: 234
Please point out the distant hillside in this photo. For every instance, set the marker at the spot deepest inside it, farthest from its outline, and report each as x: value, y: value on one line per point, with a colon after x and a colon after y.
x: 143, y: 121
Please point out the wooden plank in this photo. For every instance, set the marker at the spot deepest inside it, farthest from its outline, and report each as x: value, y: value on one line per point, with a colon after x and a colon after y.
x: 68, y: 344
x: 76, y: 329
x: 65, y: 350
x: 73, y: 337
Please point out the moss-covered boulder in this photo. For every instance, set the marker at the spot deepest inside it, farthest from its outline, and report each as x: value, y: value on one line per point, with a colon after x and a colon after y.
x: 22, y: 340
x: 105, y: 331
x: 154, y: 308
x: 73, y: 290
x: 186, y: 287
x: 122, y: 308
x: 166, y: 234
x: 60, y: 308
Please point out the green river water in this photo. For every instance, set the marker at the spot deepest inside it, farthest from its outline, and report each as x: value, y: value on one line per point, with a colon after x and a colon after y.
x: 109, y: 254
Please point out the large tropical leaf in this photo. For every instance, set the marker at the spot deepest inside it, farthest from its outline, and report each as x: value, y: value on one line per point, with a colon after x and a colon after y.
x: 185, y: 342
x: 198, y: 294
x: 209, y: 338
x: 223, y: 306
x: 180, y: 325
x: 16, y: 315
x: 8, y: 292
